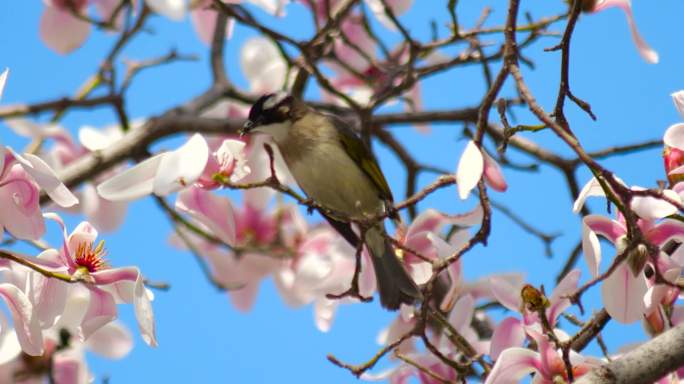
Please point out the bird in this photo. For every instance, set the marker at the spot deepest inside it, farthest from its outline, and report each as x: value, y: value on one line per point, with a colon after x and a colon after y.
x: 337, y: 171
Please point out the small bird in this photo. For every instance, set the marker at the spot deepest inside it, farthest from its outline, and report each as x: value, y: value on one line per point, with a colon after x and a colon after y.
x: 335, y: 169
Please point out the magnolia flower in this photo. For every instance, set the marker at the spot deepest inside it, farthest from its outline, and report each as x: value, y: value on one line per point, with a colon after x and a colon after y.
x: 263, y: 65
x: 21, y: 178
x: 249, y: 227
x: 86, y: 307
x: 323, y: 264
x: 474, y: 164
x: 644, y: 49
x: 624, y: 290
x: 161, y: 174
x: 547, y: 364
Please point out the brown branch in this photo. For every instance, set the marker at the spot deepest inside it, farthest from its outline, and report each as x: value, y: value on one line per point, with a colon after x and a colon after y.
x: 644, y: 364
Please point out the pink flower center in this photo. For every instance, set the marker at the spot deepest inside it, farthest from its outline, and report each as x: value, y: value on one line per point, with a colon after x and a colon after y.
x: 91, y: 258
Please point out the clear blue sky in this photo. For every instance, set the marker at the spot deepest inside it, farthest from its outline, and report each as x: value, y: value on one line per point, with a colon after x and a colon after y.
x: 201, y: 337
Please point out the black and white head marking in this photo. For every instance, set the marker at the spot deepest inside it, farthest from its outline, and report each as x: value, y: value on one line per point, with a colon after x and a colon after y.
x: 271, y: 114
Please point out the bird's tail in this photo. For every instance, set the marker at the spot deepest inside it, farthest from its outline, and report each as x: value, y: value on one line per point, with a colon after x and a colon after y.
x: 394, y: 284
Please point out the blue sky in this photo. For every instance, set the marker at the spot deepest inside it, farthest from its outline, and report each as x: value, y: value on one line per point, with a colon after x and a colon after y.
x: 202, y: 338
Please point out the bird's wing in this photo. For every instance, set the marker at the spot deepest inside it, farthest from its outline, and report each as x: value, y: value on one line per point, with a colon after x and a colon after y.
x: 361, y: 155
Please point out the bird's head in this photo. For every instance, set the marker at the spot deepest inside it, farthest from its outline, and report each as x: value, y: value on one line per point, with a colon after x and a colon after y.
x: 272, y: 114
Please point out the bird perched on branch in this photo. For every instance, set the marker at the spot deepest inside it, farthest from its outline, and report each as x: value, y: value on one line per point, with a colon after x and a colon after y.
x: 338, y: 172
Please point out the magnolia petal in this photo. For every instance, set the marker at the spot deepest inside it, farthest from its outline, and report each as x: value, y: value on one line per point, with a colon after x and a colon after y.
x: 204, y: 21
x: 652, y: 208
x: 398, y: 7
x: 49, y: 297
x: 512, y: 365
x: 610, y: 229
x: 677, y: 99
x: 324, y: 313
x: 263, y: 65
x: 646, y: 52
x: 274, y: 7
x: 133, y: 183
x: 591, y: 188
x: 46, y: 178
x: 623, y: 294
x: 101, y: 310
x: 69, y: 367
x: 105, y: 215
x: 493, y: 174
x: 211, y: 210
x: 666, y: 230
x: 26, y: 325
x: 20, y: 214
x: 3, y: 80
x: 674, y: 136
x: 243, y: 298
x: 113, y: 341
x: 509, y: 333
x: 591, y: 248
x: 61, y: 31
x: 462, y: 313
x: 505, y: 293
x: 181, y: 167
x: 95, y: 139
x: 559, y: 301
x: 173, y: 9
x: 421, y: 272
x: 469, y: 170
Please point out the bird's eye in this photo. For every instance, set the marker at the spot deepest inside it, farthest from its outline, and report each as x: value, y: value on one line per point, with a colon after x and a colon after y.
x: 284, y: 110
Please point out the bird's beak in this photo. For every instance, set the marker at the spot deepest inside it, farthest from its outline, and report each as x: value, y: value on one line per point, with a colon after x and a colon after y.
x: 249, y: 124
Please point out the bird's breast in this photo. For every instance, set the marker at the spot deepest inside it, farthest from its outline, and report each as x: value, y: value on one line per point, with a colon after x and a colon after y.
x: 330, y: 177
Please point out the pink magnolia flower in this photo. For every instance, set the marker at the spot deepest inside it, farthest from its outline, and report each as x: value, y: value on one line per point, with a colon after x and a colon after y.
x: 624, y: 290
x: 21, y: 178
x: 646, y: 52
x: 88, y: 304
x: 161, y: 174
x: 547, y: 364
x: 250, y: 227
x: 474, y: 164
x: 323, y: 264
